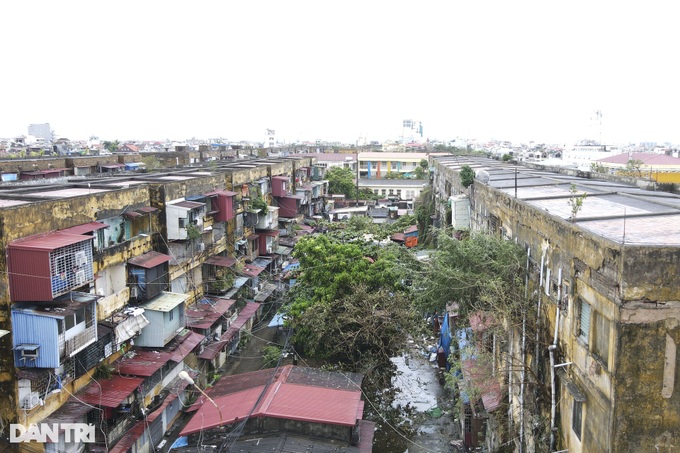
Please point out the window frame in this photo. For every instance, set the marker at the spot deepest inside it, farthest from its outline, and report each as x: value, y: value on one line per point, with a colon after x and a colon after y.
x: 577, y: 418
x: 583, y: 332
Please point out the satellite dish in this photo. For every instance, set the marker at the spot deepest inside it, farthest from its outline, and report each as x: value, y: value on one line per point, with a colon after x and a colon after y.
x: 482, y: 176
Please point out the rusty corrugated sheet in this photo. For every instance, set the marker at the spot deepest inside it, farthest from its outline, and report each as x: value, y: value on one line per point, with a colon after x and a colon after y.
x: 204, y: 315
x: 109, y: 392
x: 184, y: 348
x: 85, y: 228
x: 144, y: 363
x: 149, y: 260
x: 222, y: 261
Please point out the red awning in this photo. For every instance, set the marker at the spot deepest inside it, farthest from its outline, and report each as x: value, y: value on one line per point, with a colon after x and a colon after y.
x: 48, y: 242
x: 149, y: 260
x: 225, y: 193
x: 252, y: 237
x: 85, y: 228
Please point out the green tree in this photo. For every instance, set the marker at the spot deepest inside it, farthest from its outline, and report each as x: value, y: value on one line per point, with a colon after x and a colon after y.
x: 575, y: 201
x: 111, y: 146
x: 480, y: 273
x: 341, y: 181
x: 467, y: 176
x: 634, y: 166
x: 422, y: 170
x: 348, y: 289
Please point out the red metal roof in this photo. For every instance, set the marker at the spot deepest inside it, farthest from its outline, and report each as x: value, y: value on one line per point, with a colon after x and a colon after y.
x: 109, y: 392
x: 132, y: 214
x: 48, y: 242
x: 398, y: 237
x: 129, y: 438
x: 85, y: 228
x: 204, y: 315
x: 272, y: 233
x: 222, y: 261
x: 184, y: 349
x: 149, y: 260
x: 252, y: 237
x: 280, y: 399
x: 211, y: 350
x: 144, y: 363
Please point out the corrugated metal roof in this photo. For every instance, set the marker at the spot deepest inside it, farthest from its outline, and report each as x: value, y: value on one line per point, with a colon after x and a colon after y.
x: 147, y: 209
x: 48, y: 242
x: 226, y: 193
x: 72, y: 411
x: 85, y: 228
x: 252, y: 237
x: 165, y: 301
x: 280, y: 399
x: 149, y: 259
x: 185, y: 347
x: 251, y: 271
x: 188, y: 204
x: 109, y: 392
x: 144, y: 363
x: 204, y: 314
x: 222, y: 261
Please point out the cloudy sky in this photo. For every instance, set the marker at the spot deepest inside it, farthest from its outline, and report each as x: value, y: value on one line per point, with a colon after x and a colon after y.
x: 338, y: 70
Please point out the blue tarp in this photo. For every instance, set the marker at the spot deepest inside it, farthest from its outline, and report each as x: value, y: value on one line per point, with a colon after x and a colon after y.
x: 445, y: 339
x: 180, y: 442
x: 277, y: 320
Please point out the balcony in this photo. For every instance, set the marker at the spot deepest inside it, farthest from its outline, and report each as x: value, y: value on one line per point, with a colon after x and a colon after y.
x: 80, y: 341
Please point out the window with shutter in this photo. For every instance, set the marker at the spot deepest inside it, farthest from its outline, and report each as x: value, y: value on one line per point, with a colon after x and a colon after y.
x: 584, y: 324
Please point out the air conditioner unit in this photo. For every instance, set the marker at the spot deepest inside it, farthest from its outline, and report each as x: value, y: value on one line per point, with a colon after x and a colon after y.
x: 30, y: 401
x: 134, y: 292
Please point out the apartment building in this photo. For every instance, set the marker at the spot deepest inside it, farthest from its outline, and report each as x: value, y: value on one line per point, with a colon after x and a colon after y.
x: 604, y: 278
x: 114, y: 285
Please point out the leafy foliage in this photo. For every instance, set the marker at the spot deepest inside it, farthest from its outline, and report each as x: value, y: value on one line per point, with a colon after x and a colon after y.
x: 575, y: 201
x: 341, y: 181
x: 467, y: 176
x: 349, y: 303
x: 481, y: 273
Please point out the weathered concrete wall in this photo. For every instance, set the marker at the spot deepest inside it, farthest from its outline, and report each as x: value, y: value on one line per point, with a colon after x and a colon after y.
x: 645, y: 419
x: 635, y: 290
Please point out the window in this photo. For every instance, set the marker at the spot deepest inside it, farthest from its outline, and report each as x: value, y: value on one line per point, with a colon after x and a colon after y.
x: 577, y: 418
x: 601, y: 337
x: 182, y: 222
x: 171, y: 314
x: 70, y: 321
x: 80, y: 315
x: 584, y: 321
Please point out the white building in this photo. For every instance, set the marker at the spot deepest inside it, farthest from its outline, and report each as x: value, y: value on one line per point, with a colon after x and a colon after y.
x: 42, y: 131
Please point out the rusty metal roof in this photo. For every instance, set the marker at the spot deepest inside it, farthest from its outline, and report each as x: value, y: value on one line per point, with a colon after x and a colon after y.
x: 186, y: 346
x: 149, y: 260
x: 85, y: 228
x: 222, y: 261
x: 278, y: 398
x: 188, y: 204
x: 204, y: 314
x: 144, y: 363
x: 109, y: 392
x: 226, y: 193
x: 72, y: 411
x: 251, y: 271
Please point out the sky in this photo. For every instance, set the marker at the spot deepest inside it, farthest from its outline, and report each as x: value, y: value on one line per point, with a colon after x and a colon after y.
x: 340, y: 70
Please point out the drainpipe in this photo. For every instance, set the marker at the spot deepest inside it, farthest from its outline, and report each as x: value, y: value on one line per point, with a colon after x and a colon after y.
x: 551, y: 350
x: 523, y: 372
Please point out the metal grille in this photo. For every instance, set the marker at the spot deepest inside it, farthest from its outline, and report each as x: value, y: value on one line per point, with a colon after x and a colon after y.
x: 584, y: 325
x: 71, y: 267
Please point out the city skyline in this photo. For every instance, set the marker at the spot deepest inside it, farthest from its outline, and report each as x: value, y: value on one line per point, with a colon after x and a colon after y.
x: 339, y: 71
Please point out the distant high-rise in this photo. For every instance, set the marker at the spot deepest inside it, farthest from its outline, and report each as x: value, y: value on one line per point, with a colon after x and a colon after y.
x: 40, y: 131
x: 270, y: 138
x: 412, y: 132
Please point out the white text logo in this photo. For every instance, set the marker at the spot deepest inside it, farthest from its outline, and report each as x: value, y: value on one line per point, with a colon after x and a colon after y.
x: 45, y: 432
